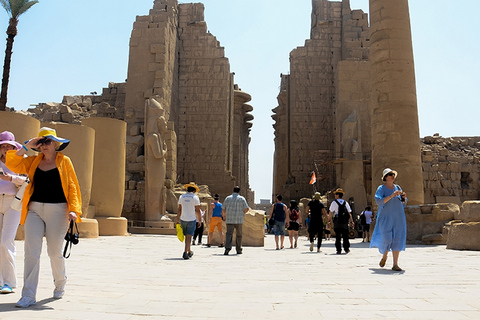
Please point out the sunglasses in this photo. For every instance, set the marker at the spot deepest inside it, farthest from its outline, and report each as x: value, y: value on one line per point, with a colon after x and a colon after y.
x: 44, y: 141
x: 390, y: 174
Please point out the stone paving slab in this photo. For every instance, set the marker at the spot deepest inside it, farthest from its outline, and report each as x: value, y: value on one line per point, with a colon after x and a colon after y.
x: 144, y: 277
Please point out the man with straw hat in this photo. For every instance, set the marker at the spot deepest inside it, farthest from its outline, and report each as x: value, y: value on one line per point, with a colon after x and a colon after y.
x: 342, y: 215
x: 188, y: 213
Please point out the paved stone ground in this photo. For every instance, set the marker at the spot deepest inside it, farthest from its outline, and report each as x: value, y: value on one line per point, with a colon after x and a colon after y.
x: 144, y: 277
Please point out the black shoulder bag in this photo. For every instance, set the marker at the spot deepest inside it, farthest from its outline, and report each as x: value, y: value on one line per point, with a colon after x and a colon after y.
x: 71, y: 238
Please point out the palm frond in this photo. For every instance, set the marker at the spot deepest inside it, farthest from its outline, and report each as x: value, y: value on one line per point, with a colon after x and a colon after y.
x: 27, y: 6
x: 17, y: 7
x: 6, y: 5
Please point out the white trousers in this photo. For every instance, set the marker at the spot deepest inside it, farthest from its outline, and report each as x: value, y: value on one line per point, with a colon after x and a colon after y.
x: 49, y: 219
x: 9, y: 220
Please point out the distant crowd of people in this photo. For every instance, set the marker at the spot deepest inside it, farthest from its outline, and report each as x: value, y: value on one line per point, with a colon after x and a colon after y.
x: 389, y: 233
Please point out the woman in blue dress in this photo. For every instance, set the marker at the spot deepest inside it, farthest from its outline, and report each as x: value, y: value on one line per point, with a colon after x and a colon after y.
x: 390, y: 232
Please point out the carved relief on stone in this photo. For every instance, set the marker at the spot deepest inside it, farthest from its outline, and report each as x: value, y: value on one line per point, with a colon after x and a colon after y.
x: 155, y: 160
x: 352, y: 149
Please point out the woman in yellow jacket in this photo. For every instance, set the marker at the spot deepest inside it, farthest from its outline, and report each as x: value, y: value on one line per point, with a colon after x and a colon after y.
x: 51, y: 200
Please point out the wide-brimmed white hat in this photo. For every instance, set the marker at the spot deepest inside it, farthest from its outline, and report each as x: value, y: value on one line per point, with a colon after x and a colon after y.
x: 387, y: 171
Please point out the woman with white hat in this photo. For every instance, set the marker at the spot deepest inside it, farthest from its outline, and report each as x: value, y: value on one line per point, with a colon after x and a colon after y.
x: 51, y: 200
x: 9, y: 218
x: 390, y: 232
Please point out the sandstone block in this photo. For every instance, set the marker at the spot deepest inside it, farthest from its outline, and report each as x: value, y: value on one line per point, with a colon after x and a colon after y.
x: 253, y: 230
x: 67, y: 117
x: 464, y: 236
x: 68, y: 100
x: 469, y: 212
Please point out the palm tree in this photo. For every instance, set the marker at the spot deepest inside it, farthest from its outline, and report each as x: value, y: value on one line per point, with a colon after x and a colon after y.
x: 14, y: 8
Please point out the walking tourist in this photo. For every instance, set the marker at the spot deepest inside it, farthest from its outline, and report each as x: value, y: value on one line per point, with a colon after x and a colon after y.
x: 366, y: 217
x: 199, y: 229
x: 342, y: 215
x: 188, y: 213
x: 9, y: 218
x: 294, y: 222
x: 279, y: 215
x: 216, y: 220
x: 51, y: 200
x: 390, y: 233
x: 317, y: 212
x: 234, y: 209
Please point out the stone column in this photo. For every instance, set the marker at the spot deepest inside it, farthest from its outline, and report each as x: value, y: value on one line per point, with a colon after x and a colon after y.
x: 108, y: 183
x: 24, y: 128
x: 81, y: 152
x: 395, y: 131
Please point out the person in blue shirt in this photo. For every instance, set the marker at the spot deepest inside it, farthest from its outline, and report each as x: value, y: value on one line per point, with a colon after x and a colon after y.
x: 390, y: 232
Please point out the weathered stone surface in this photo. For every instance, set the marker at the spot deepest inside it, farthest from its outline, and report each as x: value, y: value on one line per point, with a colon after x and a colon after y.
x: 253, y: 231
x: 464, y: 236
x: 469, y: 212
x: 428, y: 219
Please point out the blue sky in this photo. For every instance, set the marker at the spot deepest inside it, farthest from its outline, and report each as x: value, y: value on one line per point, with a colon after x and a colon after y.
x: 78, y: 46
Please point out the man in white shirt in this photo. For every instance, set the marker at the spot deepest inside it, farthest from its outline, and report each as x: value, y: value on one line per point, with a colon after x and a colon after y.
x: 342, y: 215
x: 188, y: 214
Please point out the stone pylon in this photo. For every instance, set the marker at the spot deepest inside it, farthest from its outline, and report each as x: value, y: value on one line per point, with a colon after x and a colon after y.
x: 394, y: 116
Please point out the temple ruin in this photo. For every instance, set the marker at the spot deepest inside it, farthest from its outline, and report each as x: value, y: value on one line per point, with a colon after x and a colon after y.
x: 186, y: 118
x: 348, y: 109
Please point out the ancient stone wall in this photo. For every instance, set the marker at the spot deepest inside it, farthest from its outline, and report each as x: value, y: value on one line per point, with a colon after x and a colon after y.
x: 310, y: 116
x: 175, y: 61
x: 206, y: 105
x: 451, y: 169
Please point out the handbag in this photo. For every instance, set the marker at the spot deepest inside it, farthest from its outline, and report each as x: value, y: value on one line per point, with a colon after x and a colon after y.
x: 71, y: 237
x: 17, y: 201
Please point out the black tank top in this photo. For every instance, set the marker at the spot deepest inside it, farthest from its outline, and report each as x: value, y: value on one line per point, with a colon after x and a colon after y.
x: 47, y: 187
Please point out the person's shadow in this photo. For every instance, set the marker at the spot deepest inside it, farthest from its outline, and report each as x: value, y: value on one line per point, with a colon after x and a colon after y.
x: 385, y: 271
x: 40, y: 305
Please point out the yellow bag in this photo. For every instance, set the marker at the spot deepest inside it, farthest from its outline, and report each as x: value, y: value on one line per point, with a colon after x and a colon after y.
x: 180, y: 235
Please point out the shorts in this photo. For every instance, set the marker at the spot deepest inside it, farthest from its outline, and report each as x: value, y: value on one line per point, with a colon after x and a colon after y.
x: 293, y: 226
x: 215, y: 222
x: 188, y: 227
x: 366, y: 227
x: 279, y: 228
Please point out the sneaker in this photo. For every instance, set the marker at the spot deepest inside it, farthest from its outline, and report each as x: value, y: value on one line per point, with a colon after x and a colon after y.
x: 25, y: 302
x: 58, y: 294
x: 190, y: 254
x: 347, y: 251
x: 6, y: 289
x: 226, y: 252
x: 208, y: 245
x: 186, y: 256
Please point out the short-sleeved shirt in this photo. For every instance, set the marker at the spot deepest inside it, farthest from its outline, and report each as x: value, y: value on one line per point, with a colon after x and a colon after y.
x: 316, y: 211
x: 368, y: 217
x: 188, y: 201
x: 334, y: 207
x: 235, y: 206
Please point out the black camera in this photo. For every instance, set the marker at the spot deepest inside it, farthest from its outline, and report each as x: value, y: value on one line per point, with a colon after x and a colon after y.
x: 72, y: 237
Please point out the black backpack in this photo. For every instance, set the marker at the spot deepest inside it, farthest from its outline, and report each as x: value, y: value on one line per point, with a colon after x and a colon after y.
x: 343, y: 215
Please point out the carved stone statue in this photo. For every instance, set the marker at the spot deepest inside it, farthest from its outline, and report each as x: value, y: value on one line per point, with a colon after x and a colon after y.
x: 352, y: 149
x: 155, y: 160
